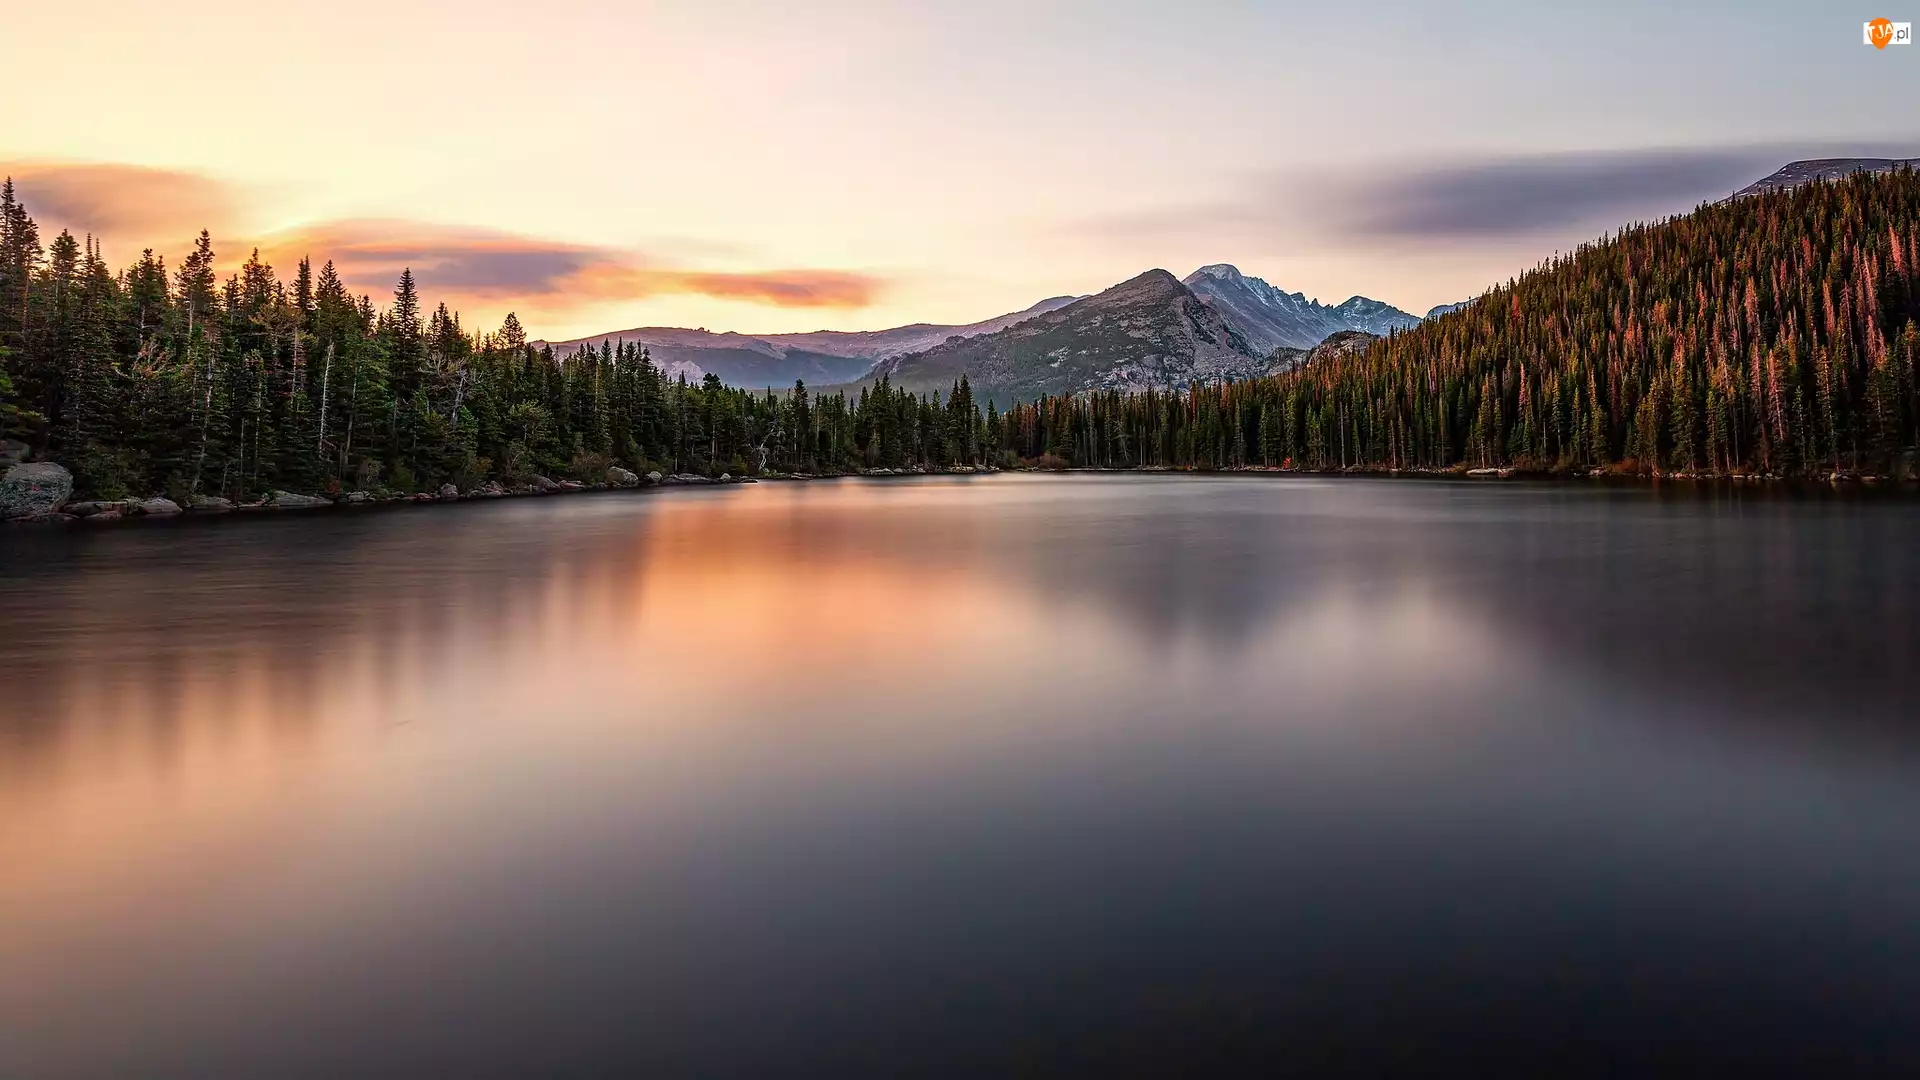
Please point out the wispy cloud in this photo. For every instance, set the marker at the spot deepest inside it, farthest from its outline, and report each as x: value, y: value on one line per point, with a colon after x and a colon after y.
x: 1496, y: 199
x: 487, y: 264
x: 127, y: 203
x: 116, y: 200
x: 371, y: 253
x: 1526, y: 195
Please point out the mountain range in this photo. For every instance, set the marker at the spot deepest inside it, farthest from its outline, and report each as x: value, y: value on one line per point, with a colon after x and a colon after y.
x: 1229, y: 325
x: 819, y: 357
x: 1151, y: 330
x: 1270, y: 318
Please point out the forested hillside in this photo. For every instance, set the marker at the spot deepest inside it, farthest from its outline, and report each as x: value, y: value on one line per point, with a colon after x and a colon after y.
x: 1772, y: 334
x: 153, y: 379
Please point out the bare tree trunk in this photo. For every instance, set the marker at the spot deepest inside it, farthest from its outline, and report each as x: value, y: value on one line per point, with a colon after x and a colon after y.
x: 326, y: 371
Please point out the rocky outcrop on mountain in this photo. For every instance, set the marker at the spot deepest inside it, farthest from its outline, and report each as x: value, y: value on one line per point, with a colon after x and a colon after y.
x: 776, y: 360
x: 1150, y: 331
x: 1795, y: 173
x: 1344, y: 343
x: 1373, y: 317
x: 1445, y: 309
x: 1271, y: 318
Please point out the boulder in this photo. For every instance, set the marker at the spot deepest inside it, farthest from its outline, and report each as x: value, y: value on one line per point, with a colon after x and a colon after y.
x: 572, y: 485
x: 355, y: 498
x: 94, y: 509
x: 156, y: 506
x: 35, y: 489
x: 448, y: 492
x: 287, y: 500
x: 544, y: 486
x: 654, y: 477
x: 623, y: 477
x: 726, y: 478
x: 209, y: 504
x: 490, y: 490
x: 13, y: 452
x: 114, y: 514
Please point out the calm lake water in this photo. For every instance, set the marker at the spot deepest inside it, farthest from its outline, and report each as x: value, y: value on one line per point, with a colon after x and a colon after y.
x: 977, y: 776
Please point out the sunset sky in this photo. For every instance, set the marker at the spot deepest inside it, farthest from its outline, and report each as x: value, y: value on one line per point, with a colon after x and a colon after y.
x: 852, y: 165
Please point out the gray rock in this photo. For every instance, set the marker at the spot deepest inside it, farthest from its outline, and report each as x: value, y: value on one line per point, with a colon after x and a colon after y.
x: 13, y: 452
x: 726, y: 478
x: 209, y: 504
x: 572, y: 485
x: 42, y: 519
x: 448, y: 493
x: 287, y: 500
x: 34, y: 489
x: 356, y: 497
x: 114, y: 514
x: 490, y: 490
x: 544, y: 485
x: 156, y: 506
x: 623, y: 477
x: 654, y: 477
x: 94, y: 509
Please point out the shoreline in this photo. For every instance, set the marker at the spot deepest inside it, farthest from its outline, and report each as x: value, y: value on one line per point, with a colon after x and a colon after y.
x: 100, y: 512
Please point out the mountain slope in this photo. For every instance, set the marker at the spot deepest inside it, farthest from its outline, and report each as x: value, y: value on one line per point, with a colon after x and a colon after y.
x: 1272, y: 318
x: 1795, y: 173
x: 819, y: 357
x: 1148, y: 331
x: 1777, y: 334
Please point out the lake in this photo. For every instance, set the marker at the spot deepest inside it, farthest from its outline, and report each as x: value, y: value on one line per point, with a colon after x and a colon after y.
x: 978, y: 776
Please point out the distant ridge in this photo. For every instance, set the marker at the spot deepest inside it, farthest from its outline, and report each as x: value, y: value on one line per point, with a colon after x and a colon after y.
x: 1795, y: 173
x: 1272, y: 318
x: 1148, y: 331
x: 819, y: 356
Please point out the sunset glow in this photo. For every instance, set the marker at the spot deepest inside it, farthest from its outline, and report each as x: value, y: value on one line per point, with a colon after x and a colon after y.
x: 853, y: 165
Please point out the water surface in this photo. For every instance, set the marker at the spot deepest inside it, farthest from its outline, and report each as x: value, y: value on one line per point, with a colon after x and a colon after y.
x: 980, y: 776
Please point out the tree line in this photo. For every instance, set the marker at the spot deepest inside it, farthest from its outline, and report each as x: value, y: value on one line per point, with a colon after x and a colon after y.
x: 150, y: 379
x: 1773, y: 334
x: 1767, y: 335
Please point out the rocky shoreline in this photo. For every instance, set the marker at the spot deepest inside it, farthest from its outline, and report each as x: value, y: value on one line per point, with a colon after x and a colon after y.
x: 41, y: 492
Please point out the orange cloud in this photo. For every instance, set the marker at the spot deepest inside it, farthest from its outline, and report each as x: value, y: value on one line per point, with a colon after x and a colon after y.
x: 488, y: 270
x: 779, y: 288
x: 125, y: 202
x: 489, y: 265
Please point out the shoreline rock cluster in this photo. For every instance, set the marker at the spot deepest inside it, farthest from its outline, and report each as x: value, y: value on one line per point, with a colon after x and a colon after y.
x: 42, y: 492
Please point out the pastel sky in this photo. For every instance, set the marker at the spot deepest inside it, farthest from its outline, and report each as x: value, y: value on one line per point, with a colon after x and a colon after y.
x: 853, y: 164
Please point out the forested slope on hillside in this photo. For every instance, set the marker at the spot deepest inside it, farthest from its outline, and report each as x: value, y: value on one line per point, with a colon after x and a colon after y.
x: 1773, y: 334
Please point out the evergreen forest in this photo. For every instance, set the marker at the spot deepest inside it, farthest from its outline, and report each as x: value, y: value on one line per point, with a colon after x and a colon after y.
x: 1767, y: 335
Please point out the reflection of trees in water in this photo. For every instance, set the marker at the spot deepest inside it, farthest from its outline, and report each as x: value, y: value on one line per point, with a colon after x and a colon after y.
x: 1765, y: 601
x: 232, y: 623
x: 1775, y: 604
